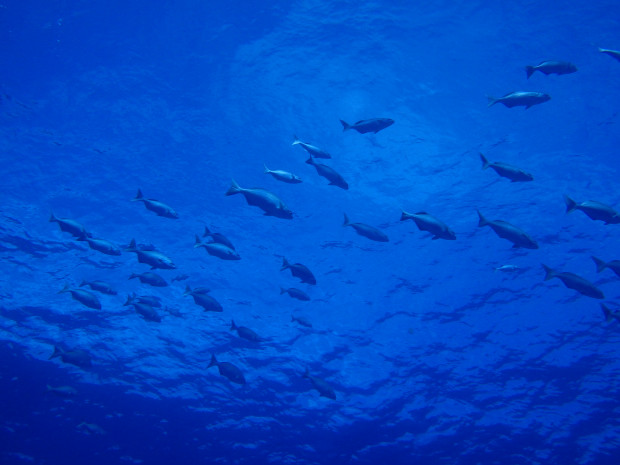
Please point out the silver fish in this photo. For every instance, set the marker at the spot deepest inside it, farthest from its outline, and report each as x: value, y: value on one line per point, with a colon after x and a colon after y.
x: 263, y: 199
x: 283, y: 176
x: 551, y: 67
x: 312, y: 149
x: 159, y: 208
x: 365, y: 230
x: 520, y: 99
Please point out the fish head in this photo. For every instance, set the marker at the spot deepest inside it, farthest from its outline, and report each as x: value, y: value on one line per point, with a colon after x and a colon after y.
x: 572, y: 68
x: 449, y: 234
x: 545, y: 97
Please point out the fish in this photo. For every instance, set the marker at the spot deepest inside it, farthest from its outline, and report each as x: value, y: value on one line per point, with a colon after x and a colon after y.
x: 70, y: 226
x: 365, y: 230
x: 100, y: 245
x: 91, y: 428
x: 245, y: 333
x: 508, y: 268
x: 217, y: 237
x: 594, y: 210
x: 150, y: 278
x: 100, y: 286
x: 334, y: 178
x: 299, y: 271
x: 368, y: 125
x: 62, y: 391
x: 573, y: 281
x: 228, y: 370
x: 312, y: 149
x: 324, y: 388
x: 427, y: 222
x: 157, y: 207
x: 283, y: 176
x: 151, y: 257
x: 218, y: 250
x: 551, y: 67
x: 301, y: 320
x: 612, y: 53
x: 609, y: 315
x: 613, y: 265
x: 180, y: 277
x: 263, y: 199
x: 520, y: 99
x: 508, y: 231
x: 507, y: 171
x: 201, y: 298
x: 84, y: 297
x: 295, y: 294
x: 146, y: 311
x: 77, y: 357
x: 151, y: 300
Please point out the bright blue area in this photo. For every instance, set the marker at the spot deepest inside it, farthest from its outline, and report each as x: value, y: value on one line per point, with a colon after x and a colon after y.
x: 434, y: 356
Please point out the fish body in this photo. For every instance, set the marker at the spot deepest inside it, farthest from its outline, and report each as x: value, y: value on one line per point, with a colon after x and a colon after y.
x: 507, y: 171
x: 180, y: 277
x: 150, y: 278
x: 70, y: 226
x: 84, y: 297
x: 62, y: 391
x: 609, y: 315
x: 324, y: 388
x: 508, y: 231
x: 151, y: 300
x: 263, y: 199
x: 301, y: 320
x: 312, y: 149
x: 99, y: 286
x: 245, y: 333
x: 613, y: 265
x: 77, y: 357
x: 101, y: 245
x: 90, y: 428
x: 551, y: 67
x: 146, y: 311
x: 218, y: 250
x: 508, y: 268
x: 573, y: 281
x: 151, y: 257
x: 368, y: 125
x: 201, y: 298
x: 429, y: 223
x: 594, y: 210
x: 219, y: 238
x: 299, y: 271
x: 283, y: 176
x: 228, y: 370
x: 295, y: 293
x: 612, y: 53
x: 334, y: 178
x: 365, y: 230
x: 157, y: 207
x: 520, y: 99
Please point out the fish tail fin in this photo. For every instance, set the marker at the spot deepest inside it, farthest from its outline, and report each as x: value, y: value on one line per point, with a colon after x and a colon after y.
x: 282, y: 290
x: 213, y: 361
x: 138, y: 196
x: 207, y: 232
x: 404, y: 215
x: 529, y: 70
x: 310, y: 160
x: 64, y: 289
x: 267, y: 170
x: 83, y: 283
x: 600, y: 264
x: 549, y: 272
x: 345, y: 125
x: 234, y: 188
x: 346, y: 220
x: 491, y: 101
x: 233, y: 326
x: 133, y: 275
x: 285, y: 264
x: 485, y: 162
x: 57, y: 352
x: 571, y: 205
x: 53, y: 218
x: 482, y: 221
x: 188, y: 290
x: 197, y: 242
x: 130, y: 299
x: 606, y: 312
x: 82, y: 237
x: 296, y: 141
x: 132, y: 246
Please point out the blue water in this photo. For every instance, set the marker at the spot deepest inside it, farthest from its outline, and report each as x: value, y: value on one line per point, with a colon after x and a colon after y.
x: 434, y: 356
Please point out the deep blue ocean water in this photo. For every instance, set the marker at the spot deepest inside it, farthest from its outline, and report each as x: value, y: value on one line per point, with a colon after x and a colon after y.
x: 435, y: 357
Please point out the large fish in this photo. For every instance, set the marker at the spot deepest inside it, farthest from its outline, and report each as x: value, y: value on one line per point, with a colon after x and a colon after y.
x: 159, y: 208
x: 82, y: 296
x: 426, y: 222
x: 146, y: 311
x: 365, y: 230
x: 76, y: 357
x: 218, y: 250
x: 324, y: 388
x: 151, y: 257
x: 508, y: 231
x: 312, y: 149
x: 151, y: 300
x: 334, y: 178
x: 72, y: 227
x: 263, y: 199
x: 368, y: 125
x: 300, y: 271
x: 283, y: 176
x: 150, y: 278
x: 100, y: 245
x: 245, y: 333
x: 507, y: 171
x: 613, y: 265
x: 520, y: 99
x: 594, y: 210
x: 612, y: 53
x: 228, y: 370
x: 219, y: 238
x: 100, y: 286
x: 295, y: 294
x: 551, y: 67
x: 203, y: 299
x: 572, y: 281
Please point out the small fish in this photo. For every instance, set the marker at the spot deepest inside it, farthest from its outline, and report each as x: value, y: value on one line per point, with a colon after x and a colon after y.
x: 594, y: 210
x: 613, y: 265
x: 72, y: 227
x: 150, y: 278
x: 82, y: 296
x: 283, y: 176
x: 365, y: 230
x: 159, y: 208
x: 228, y: 370
x: 201, y: 298
x: 217, y: 237
x: 508, y: 231
x: 151, y: 300
x: 99, y: 286
x: 62, y: 391
x: 100, y: 245
x: 520, y: 99
x: 507, y: 171
x: 312, y: 150
x: 179, y: 277
x: 151, y: 257
x: 334, y: 178
x: 300, y: 271
x: 427, y: 222
x: 218, y: 250
x: 295, y: 294
x: 263, y: 199
x: 573, y: 281
x: 551, y: 67
x: 301, y: 320
x: 78, y: 357
x: 508, y: 268
x: 245, y: 333
x: 324, y: 388
x: 368, y: 125
x: 609, y: 315
x: 146, y: 311
x: 91, y: 428
x: 612, y: 53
